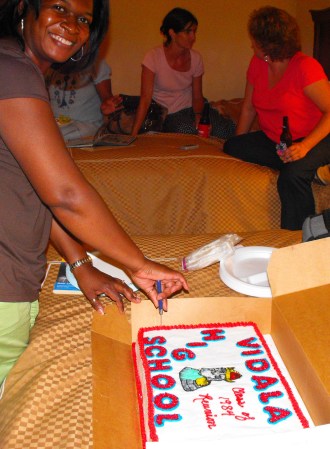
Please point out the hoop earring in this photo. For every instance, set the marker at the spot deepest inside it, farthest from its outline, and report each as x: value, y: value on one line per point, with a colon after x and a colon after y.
x: 80, y: 56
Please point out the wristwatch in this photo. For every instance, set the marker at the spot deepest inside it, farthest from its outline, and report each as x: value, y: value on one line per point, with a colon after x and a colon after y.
x: 80, y: 262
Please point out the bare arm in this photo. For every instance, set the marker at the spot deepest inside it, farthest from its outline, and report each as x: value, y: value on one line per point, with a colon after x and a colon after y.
x: 319, y: 93
x: 91, y: 281
x: 104, y: 89
x: 197, y: 97
x: 67, y: 246
x: 110, y: 102
x: 147, y: 89
x: 59, y: 183
x: 248, y: 112
x: 28, y: 127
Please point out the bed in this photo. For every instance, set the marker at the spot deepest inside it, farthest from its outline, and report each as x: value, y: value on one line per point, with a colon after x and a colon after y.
x: 154, y: 187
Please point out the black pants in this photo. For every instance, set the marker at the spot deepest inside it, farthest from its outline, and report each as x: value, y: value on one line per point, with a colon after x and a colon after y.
x: 294, y: 183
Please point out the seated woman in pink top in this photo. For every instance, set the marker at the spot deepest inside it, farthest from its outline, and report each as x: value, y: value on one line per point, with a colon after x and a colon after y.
x: 172, y: 75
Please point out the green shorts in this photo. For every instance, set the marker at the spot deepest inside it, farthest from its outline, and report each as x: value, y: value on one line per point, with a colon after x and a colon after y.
x: 16, y: 321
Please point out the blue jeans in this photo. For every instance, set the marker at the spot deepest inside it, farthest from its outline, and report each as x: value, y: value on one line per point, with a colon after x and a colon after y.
x: 294, y: 183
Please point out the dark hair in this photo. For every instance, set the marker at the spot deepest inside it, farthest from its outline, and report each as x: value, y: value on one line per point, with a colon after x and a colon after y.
x: 10, y: 17
x: 275, y: 31
x: 176, y: 20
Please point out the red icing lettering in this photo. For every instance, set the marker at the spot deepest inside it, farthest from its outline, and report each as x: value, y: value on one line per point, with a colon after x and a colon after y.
x: 247, y: 343
x: 166, y: 401
x: 257, y: 364
x: 162, y: 381
x: 213, y: 334
x: 224, y: 400
x: 155, y: 351
x: 183, y: 354
x: 276, y: 414
x: 263, y: 382
x: 159, y: 419
x: 205, y: 401
x: 195, y: 343
x: 252, y: 352
x: 239, y: 396
x: 204, y: 398
x: 159, y: 365
x: 225, y: 404
x: 154, y: 340
x: 245, y: 416
x: 228, y: 409
x: 264, y: 397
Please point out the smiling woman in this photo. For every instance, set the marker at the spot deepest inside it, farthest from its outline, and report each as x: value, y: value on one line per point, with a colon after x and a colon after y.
x: 61, y: 31
x: 72, y: 23
x: 43, y: 195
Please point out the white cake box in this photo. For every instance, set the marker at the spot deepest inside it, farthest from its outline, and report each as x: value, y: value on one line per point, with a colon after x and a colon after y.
x: 297, y: 318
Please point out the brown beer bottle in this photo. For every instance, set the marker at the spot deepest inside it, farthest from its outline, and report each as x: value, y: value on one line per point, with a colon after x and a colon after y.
x: 285, y: 137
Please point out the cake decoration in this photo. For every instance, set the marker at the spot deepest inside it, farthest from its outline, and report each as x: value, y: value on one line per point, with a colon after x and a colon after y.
x: 205, y: 382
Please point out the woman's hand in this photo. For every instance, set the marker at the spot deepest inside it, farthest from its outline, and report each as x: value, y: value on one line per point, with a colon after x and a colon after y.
x: 172, y: 281
x: 297, y: 151
x: 94, y: 282
x: 111, y: 105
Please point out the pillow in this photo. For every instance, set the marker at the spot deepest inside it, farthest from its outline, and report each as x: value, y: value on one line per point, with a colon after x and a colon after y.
x: 232, y: 109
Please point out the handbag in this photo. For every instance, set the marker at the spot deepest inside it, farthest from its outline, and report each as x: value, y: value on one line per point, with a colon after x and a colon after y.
x: 121, y: 121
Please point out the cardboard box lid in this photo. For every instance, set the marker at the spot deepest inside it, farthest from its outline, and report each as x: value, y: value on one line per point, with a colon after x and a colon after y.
x: 204, y: 310
x: 292, y: 271
x: 300, y: 280
x: 299, y: 267
x: 113, y: 324
x: 300, y: 330
x: 115, y: 411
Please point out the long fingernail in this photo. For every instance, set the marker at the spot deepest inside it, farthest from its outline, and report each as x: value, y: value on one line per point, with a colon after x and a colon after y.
x: 100, y: 310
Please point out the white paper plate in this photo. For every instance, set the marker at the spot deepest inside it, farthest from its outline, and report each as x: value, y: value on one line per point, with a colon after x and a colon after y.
x: 245, y: 271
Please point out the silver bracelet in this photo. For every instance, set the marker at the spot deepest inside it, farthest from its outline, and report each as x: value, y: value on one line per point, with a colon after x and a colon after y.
x: 80, y: 262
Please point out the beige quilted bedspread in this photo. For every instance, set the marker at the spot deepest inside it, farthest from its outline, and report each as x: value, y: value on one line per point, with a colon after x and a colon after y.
x: 155, y: 188
x: 48, y: 399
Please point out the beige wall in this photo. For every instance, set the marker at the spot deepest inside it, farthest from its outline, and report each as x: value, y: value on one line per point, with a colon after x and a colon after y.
x: 305, y: 21
x: 222, y: 38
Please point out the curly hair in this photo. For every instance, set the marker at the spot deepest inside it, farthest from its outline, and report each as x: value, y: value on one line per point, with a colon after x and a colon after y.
x: 275, y: 31
x: 11, y: 15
